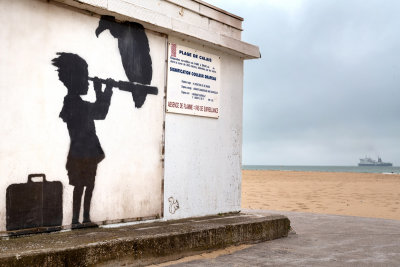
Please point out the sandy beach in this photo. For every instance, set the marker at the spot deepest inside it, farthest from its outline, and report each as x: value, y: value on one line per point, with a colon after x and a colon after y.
x: 356, y: 194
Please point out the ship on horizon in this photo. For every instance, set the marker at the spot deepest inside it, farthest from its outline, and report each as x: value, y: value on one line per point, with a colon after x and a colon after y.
x: 370, y: 162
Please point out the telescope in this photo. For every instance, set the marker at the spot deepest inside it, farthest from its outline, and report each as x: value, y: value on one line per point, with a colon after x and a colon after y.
x: 139, y: 91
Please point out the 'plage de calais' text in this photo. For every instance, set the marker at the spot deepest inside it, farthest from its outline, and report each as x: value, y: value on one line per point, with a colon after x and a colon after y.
x: 193, y: 82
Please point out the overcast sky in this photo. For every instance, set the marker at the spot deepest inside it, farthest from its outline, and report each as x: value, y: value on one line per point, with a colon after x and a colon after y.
x: 327, y: 88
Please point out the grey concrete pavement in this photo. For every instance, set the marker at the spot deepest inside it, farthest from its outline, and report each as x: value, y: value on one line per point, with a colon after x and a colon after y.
x: 321, y: 240
x: 140, y: 244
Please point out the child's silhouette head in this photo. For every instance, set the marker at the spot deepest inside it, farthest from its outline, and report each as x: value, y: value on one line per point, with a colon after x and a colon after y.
x: 72, y: 72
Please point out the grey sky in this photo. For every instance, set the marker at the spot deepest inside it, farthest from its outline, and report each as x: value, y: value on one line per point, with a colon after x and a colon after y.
x: 327, y: 88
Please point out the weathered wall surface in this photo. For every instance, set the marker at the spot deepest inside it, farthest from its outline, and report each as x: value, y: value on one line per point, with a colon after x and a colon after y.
x: 203, y: 155
x: 34, y: 139
x: 139, y: 160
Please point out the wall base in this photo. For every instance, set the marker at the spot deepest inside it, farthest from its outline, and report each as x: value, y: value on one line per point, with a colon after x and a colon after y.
x: 142, y: 244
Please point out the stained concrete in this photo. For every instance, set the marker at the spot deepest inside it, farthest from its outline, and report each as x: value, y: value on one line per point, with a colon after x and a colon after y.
x: 141, y: 244
x: 321, y: 240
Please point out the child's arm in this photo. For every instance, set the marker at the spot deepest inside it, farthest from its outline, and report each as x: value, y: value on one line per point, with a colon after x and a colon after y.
x: 99, y: 109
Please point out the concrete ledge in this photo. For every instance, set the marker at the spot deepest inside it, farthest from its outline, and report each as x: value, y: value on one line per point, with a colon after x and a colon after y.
x: 173, y: 21
x: 140, y: 244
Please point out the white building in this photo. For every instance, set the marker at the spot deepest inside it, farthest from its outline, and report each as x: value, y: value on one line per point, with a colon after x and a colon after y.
x: 178, y: 155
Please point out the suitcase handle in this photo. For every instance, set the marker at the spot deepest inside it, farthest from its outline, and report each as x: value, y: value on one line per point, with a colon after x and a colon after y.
x: 30, y: 176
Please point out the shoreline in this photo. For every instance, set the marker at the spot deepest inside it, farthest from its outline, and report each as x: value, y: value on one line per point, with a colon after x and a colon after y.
x: 335, y: 169
x: 394, y: 173
x: 373, y: 195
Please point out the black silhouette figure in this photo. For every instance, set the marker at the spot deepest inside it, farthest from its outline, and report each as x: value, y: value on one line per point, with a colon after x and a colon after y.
x: 35, y: 204
x: 133, y: 46
x: 85, y: 151
x: 135, y: 54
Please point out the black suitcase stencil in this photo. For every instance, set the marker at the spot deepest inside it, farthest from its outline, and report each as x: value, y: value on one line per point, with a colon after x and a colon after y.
x: 34, y: 204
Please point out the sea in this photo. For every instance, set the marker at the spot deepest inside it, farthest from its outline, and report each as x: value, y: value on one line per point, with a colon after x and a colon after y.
x: 363, y: 169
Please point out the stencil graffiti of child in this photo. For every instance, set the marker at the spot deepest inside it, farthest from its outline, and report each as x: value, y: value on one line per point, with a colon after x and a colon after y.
x: 85, y: 151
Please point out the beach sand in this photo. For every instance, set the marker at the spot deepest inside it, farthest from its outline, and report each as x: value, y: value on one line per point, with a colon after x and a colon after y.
x: 356, y: 194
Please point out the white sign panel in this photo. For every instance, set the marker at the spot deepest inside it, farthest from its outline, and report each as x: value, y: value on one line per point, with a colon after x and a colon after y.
x: 193, y: 82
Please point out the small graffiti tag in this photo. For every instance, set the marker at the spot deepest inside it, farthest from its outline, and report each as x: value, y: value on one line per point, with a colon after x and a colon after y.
x: 173, y: 205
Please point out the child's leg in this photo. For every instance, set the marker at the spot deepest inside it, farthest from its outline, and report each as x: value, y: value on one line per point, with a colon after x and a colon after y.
x: 86, y: 203
x: 76, y: 203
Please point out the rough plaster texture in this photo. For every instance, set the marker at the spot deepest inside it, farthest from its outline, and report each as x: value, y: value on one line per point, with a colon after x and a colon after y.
x: 187, y: 19
x: 203, y: 155
x: 35, y: 140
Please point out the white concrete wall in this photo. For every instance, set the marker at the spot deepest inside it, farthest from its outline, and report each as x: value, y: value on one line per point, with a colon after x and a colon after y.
x: 193, y: 20
x: 35, y: 140
x: 202, y: 159
x: 203, y: 155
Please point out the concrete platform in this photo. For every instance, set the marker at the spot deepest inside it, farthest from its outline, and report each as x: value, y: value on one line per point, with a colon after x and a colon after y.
x: 320, y: 240
x: 141, y: 244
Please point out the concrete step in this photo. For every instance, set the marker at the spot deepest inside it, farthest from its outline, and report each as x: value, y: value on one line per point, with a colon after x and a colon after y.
x: 141, y: 244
